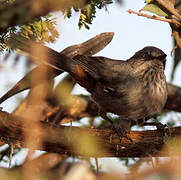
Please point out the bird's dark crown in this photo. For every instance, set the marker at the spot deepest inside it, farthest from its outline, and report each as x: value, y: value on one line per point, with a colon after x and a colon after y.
x: 149, y: 53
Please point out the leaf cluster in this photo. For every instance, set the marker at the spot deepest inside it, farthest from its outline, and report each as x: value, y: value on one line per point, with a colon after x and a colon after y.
x: 42, y: 30
x: 88, y: 13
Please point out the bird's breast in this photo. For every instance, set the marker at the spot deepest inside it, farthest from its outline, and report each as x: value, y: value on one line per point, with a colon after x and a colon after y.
x: 141, y: 98
x: 155, y: 90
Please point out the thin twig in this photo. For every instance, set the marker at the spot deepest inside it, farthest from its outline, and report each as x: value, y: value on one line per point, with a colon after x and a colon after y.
x: 173, y: 49
x: 11, y: 146
x: 154, y: 17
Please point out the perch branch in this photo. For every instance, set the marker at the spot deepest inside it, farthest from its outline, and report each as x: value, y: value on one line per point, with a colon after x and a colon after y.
x: 75, y: 141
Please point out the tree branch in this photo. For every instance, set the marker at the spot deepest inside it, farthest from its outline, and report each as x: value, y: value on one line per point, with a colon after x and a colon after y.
x: 85, y: 141
x: 174, y: 98
x: 170, y: 7
x: 154, y: 17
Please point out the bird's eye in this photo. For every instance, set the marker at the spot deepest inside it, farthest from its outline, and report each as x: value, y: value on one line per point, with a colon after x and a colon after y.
x: 162, y: 57
x: 109, y: 90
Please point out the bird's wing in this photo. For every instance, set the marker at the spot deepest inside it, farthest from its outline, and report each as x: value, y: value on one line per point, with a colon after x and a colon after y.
x: 116, y: 77
x: 104, y: 69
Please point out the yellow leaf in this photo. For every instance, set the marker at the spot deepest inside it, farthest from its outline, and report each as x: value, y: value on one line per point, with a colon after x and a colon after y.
x: 155, y: 9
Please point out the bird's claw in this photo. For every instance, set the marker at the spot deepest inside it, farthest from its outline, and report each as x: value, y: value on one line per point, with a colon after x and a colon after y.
x: 121, y: 127
x: 121, y: 131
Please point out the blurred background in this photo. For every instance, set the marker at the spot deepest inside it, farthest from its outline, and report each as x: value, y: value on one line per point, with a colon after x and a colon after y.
x: 132, y: 33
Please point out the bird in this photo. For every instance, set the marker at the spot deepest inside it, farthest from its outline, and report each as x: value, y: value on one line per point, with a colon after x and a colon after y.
x: 134, y: 89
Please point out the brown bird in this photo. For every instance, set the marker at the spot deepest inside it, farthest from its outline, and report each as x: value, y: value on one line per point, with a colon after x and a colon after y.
x: 134, y: 89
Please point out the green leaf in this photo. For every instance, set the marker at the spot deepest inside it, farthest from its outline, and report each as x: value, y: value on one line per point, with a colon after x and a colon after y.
x: 88, y: 12
x: 155, y: 9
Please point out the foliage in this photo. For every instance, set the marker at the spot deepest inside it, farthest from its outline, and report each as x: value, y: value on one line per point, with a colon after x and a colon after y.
x: 42, y: 30
x: 88, y: 12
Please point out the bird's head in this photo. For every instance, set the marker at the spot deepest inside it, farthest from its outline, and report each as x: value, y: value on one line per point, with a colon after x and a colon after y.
x: 150, y: 53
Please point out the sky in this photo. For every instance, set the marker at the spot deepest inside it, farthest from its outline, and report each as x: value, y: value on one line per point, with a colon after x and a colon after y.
x: 132, y: 33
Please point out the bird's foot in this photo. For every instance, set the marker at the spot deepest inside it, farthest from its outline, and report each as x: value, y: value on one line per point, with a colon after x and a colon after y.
x: 121, y: 127
x: 121, y: 130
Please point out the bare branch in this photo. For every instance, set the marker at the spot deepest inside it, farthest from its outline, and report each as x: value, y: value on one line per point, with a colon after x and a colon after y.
x: 154, y: 17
